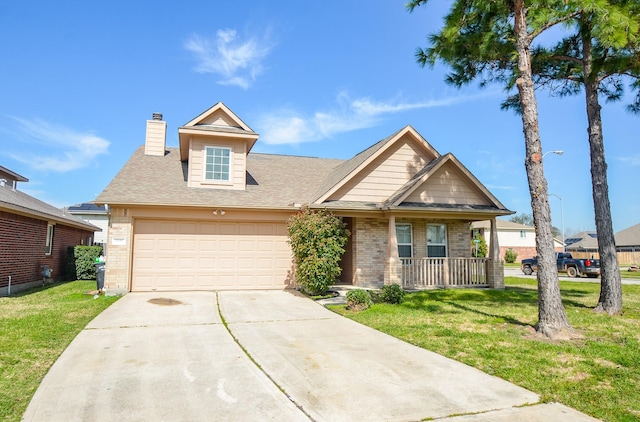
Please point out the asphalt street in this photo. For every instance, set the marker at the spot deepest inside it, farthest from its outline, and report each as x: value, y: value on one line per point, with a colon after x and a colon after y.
x: 517, y: 272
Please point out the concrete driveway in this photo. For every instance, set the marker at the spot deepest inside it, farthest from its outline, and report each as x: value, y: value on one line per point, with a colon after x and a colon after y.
x: 168, y: 356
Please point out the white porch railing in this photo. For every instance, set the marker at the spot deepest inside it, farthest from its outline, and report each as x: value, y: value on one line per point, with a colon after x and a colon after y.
x: 420, y: 273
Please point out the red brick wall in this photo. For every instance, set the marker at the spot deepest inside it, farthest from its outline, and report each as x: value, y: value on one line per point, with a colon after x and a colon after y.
x: 523, y: 252
x: 22, y: 248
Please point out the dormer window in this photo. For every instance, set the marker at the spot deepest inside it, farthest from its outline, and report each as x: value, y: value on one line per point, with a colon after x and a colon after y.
x: 217, y: 164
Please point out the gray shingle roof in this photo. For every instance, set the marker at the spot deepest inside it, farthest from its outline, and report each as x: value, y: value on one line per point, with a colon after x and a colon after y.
x: 582, y: 240
x: 273, y: 181
x: 629, y: 236
x: 17, y: 201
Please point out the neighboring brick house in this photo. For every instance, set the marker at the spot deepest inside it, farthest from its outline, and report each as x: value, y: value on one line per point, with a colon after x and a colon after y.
x: 518, y: 237
x: 212, y: 215
x: 33, y: 236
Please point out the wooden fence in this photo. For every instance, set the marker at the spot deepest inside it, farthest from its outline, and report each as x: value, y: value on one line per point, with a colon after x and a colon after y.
x: 624, y: 258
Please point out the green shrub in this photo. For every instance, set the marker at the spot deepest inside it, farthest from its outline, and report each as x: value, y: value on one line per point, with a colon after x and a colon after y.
x: 392, y: 293
x: 481, y: 250
x: 317, y: 240
x: 80, y: 262
x: 510, y: 256
x: 358, y: 300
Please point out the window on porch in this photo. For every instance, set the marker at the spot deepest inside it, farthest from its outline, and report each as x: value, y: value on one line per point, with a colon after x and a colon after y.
x: 405, y: 240
x: 436, y: 240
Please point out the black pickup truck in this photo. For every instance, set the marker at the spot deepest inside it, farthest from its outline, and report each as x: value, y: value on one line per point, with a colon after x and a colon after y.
x: 566, y: 264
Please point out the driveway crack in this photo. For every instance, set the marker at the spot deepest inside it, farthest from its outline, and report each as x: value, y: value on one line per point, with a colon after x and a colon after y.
x: 246, y: 352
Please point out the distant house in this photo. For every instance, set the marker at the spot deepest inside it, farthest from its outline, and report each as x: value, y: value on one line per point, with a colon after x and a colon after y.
x: 34, y: 236
x: 93, y: 214
x: 628, y: 240
x: 212, y: 215
x: 585, y: 242
x: 518, y: 237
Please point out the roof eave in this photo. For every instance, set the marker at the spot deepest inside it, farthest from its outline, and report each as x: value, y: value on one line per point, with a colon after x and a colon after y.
x: 48, y: 217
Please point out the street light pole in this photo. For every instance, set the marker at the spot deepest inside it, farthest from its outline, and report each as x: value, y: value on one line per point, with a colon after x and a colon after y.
x: 561, y: 218
x: 558, y: 152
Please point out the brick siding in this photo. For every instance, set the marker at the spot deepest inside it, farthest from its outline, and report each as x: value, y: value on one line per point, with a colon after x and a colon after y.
x: 117, y: 270
x: 370, y: 245
x: 22, y: 248
x: 523, y: 252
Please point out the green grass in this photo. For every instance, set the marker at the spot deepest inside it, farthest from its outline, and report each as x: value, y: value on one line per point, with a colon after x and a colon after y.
x: 36, y: 326
x: 492, y: 330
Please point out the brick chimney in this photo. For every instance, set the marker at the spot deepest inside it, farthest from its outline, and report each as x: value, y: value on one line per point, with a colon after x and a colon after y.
x: 156, y: 137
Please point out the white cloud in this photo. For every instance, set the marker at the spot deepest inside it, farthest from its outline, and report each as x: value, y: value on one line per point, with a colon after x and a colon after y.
x: 290, y: 127
x: 237, y: 61
x: 633, y: 160
x: 61, y: 149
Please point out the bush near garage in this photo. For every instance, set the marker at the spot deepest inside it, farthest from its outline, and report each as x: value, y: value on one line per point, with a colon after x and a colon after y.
x: 317, y: 239
x: 80, y: 262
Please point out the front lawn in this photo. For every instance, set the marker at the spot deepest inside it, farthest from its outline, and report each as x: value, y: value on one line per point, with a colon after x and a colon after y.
x: 492, y: 330
x: 36, y: 326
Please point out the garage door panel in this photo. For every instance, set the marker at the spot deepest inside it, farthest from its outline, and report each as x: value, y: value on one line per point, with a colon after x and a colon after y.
x: 207, y: 263
x: 209, y: 255
x: 207, y: 245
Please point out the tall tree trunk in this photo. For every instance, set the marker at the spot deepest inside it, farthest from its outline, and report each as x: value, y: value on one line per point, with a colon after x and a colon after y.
x: 610, y: 300
x: 552, y: 318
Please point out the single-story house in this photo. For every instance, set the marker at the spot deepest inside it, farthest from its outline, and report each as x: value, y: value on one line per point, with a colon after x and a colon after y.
x: 585, y: 245
x: 628, y: 240
x: 518, y: 237
x: 583, y: 242
x: 93, y: 214
x: 211, y: 214
x: 34, y: 237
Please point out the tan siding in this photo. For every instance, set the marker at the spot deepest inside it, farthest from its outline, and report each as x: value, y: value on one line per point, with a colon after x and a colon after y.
x: 155, y: 137
x: 385, y: 175
x: 447, y: 186
x: 118, y: 250
x: 219, y: 118
x: 238, y: 163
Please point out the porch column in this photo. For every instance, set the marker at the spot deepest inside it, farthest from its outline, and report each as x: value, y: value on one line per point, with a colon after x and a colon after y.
x: 495, y: 265
x: 494, y: 252
x: 392, y: 265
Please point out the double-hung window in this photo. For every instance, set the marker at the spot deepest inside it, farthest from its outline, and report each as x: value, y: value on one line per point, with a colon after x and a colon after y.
x: 436, y: 240
x: 405, y: 240
x: 49, y: 241
x: 217, y: 165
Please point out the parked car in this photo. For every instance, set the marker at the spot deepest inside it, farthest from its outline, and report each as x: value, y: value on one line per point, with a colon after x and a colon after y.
x: 574, y: 267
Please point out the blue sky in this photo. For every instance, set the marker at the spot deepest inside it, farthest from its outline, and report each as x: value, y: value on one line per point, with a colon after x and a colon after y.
x: 79, y: 79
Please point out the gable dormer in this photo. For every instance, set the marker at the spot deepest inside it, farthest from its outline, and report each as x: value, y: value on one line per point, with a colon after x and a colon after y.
x: 215, y: 145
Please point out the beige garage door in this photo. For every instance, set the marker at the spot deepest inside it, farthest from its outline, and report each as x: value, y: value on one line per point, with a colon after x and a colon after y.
x: 182, y: 255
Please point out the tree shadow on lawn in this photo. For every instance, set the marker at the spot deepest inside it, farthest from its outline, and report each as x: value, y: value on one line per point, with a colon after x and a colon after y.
x: 454, y: 301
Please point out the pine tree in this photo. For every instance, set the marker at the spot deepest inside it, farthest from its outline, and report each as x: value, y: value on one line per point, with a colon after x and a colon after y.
x: 598, y: 54
x: 491, y: 41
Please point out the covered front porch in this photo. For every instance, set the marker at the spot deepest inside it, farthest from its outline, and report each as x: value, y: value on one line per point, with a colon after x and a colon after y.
x: 457, y: 269
x: 421, y: 253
